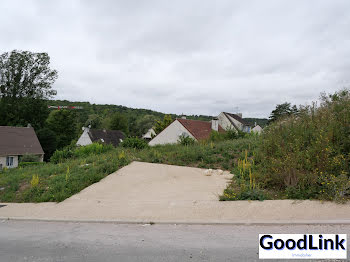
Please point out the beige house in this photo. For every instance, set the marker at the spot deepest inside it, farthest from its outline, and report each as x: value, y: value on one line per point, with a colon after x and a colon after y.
x: 233, y: 121
x: 16, y: 142
x: 149, y: 135
x: 257, y: 129
x: 198, y: 130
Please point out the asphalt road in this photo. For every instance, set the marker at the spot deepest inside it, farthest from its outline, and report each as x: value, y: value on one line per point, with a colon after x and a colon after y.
x: 54, y: 241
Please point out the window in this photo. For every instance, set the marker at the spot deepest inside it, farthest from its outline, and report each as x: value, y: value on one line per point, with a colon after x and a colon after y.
x: 9, y: 161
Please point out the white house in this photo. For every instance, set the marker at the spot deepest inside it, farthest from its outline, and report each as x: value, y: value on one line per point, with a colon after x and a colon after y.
x: 16, y: 142
x: 233, y: 121
x: 198, y: 130
x: 90, y: 136
x: 149, y: 135
x: 257, y: 129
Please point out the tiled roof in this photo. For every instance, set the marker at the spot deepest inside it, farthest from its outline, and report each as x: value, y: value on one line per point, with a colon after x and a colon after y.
x: 106, y: 136
x: 199, y: 129
x: 19, y: 141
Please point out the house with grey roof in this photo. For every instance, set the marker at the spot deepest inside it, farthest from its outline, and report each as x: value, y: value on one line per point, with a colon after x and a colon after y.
x: 89, y: 136
x: 234, y: 122
x: 16, y: 142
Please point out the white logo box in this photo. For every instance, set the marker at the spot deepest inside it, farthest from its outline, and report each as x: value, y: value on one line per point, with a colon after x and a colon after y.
x: 280, y: 246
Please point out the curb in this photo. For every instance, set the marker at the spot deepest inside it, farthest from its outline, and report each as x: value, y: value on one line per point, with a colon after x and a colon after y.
x: 223, y: 223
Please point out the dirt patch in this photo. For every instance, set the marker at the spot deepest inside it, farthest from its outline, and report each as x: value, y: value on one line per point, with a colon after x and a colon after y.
x: 23, y: 186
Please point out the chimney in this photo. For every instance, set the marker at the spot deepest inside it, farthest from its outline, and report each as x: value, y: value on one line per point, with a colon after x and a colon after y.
x: 239, y: 114
x: 215, y: 124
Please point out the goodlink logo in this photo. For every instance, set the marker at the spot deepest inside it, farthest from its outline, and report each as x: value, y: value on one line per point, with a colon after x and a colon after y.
x: 303, y: 246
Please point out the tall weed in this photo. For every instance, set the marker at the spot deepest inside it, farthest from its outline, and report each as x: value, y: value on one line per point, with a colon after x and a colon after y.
x: 307, y: 155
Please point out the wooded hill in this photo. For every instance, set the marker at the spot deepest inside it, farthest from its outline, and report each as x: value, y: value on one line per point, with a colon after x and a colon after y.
x: 139, y: 120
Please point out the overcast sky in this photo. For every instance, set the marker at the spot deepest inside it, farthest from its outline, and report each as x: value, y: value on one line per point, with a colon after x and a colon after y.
x: 184, y: 56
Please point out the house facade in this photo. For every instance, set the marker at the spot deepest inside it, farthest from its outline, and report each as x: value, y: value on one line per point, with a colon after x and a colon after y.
x: 16, y: 142
x: 89, y: 136
x: 233, y: 121
x: 257, y: 129
x: 149, y: 135
x: 197, y: 130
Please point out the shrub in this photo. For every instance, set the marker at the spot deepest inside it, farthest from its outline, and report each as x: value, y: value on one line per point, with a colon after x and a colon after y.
x: 35, y: 181
x: 308, y: 155
x: 231, y: 134
x: 246, y: 194
x: 29, y: 158
x: 61, y: 155
x: 122, y: 157
x: 134, y: 142
x: 73, y: 152
x: 93, y: 149
x: 24, y: 164
x: 241, y: 134
x: 186, y: 140
x: 215, y: 136
x: 227, y: 135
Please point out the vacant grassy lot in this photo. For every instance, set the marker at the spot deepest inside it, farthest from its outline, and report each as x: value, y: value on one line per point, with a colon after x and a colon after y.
x: 79, y: 168
x: 304, y: 156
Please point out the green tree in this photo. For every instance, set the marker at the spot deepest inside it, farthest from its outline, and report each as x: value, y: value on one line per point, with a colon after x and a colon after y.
x: 119, y: 122
x: 63, y: 124
x: 94, y: 121
x: 47, y: 139
x: 161, y: 125
x: 282, y: 110
x: 143, y: 124
x: 25, y: 83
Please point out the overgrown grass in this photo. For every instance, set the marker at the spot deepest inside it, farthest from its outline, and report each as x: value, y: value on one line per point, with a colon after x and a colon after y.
x: 56, y: 182
x: 307, y: 156
x: 71, y: 172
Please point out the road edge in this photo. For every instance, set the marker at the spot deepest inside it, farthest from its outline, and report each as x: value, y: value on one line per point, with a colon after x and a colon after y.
x: 232, y: 223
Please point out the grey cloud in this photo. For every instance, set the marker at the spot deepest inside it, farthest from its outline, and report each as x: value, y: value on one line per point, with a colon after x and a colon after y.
x: 192, y: 57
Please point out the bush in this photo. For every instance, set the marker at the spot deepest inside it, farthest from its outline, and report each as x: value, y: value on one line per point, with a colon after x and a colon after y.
x: 216, y: 136
x: 94, y: 148
x: 231, y: 134
x: 73, y: 152
x: 134, y: 142
x: 246, y: 194
x: 186, y: 140
x: 35, y: 181
x: 308, y: 155
x: 29, y: 158
x: 24, y: 164
x: 227, y: 135
x: 61, y: 155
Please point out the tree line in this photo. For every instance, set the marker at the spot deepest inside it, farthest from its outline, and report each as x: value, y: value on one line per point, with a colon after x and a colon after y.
x: 26, y: 90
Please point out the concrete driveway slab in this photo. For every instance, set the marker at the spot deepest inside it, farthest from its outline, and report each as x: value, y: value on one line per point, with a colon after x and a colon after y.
x: 144, y: 192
